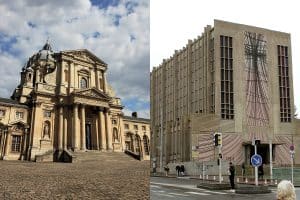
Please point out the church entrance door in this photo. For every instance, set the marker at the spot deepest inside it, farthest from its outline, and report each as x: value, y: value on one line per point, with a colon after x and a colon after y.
x: 88, y: 137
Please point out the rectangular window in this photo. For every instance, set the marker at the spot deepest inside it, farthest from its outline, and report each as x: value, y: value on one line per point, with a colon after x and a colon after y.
x: 2, y: 113
x: 16, y: 143
x: 135, y: 127
x: 227, y: 106
x: 126, y: 126
x: 114, y: 121
x: 19, y: 115
x: 284, y: 89
x: 47, y: 113
x: 143, y: 128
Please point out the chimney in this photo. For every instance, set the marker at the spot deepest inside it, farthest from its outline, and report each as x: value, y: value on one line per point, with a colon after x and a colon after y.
x: 134, y: 114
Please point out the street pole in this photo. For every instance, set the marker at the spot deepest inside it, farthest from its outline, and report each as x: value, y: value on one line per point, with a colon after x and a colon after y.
x: 292, y: 159
x: 220, y: 165
x: 271, y: 159
x: 256, y: 168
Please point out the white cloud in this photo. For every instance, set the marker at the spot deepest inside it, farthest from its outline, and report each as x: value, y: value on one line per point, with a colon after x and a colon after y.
x: 71, y: 25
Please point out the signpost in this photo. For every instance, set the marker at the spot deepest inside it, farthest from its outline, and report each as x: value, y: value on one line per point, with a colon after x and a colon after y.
x: 218, y: 143
x: 292, y: 152
x: 256, y: 160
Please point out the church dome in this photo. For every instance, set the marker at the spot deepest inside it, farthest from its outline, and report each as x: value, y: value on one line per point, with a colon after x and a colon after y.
x: 46, y: 53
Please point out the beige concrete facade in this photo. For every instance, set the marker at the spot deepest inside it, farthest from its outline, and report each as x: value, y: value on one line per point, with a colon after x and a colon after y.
x: 234, y: 79
x: 67, y: 106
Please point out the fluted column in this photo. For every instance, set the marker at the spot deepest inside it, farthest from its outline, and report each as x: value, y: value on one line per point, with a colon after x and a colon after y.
x: 102, y: 130
x: 83, y: 133
x: 75, y: 131
x: 108, y: 131
x: 61, y: 128
x: 65, y: 143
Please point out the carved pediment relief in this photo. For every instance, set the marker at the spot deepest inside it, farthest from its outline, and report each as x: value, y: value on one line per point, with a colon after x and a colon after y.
x: 92, y: 93
x: 85, y: 55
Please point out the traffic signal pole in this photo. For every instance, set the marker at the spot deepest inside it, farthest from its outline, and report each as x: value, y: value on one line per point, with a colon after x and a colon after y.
x: 220, y: 164
x: 256, y: 168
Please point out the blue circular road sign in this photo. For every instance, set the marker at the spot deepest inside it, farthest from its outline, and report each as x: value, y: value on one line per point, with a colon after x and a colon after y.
x: 256, y: 160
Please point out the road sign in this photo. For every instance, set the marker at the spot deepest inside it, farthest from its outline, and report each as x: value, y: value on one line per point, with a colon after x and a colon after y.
x: 292, y: 148
x: 256, y: 160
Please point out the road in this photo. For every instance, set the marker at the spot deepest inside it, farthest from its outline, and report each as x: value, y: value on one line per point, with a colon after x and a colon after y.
x: 185, y: 189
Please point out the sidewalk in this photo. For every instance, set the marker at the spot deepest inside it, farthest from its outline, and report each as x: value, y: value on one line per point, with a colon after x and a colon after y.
x: 215, y: 179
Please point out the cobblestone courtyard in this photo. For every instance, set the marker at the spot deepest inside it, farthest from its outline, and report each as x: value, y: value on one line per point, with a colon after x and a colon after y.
x: 93, y: 176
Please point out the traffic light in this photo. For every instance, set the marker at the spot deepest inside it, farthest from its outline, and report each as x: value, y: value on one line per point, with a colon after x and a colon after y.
x: 218, y: 139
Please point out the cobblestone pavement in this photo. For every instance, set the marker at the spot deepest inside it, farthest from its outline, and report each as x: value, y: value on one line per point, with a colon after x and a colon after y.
x: 95, y: 176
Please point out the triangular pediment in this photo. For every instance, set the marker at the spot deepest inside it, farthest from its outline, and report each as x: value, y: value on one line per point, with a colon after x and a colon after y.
x: 85, y: 55
x: 92, y: 93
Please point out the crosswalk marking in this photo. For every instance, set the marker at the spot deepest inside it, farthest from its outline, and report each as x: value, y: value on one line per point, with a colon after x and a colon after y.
x: 166, y: 195
x: 198, y: 193
x: 154, y: 186
x: 179, y: 194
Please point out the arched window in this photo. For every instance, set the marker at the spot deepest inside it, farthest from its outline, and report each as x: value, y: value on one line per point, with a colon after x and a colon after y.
x: 83, y: 83
x: 146, y: 144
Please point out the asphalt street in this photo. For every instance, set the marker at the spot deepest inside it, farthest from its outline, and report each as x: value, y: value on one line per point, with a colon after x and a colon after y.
x: 185, y: 189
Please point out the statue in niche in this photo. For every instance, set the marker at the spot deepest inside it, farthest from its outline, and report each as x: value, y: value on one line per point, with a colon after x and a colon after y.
x: 115, y: 135
x: 46, y: 133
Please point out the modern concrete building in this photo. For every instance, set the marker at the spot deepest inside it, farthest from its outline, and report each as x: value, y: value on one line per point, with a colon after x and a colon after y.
x: 234, y: 79
x: 64, y: 104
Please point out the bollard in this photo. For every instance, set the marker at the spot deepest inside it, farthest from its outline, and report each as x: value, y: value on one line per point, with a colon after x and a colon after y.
x: 275, y: 182
x: 207, y: 177
x: 266, y: 181
x: 200, y: 176
x: 222, y: 178
x: 214, y: 178
x: 237, y: 179
x: 246, y: 180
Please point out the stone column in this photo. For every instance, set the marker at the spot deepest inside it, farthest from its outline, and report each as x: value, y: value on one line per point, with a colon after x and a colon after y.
x: 95, y: 119
x: 83, y: 144
x: 65, y: 143
x: 7, y: 144
x: 108, y: 131
x: 1, y: 141
x: 24, y: 145
x: 104, y: 82
x: 142, y: 148
x: 61, y: 128
x: 75, y: 136
x: 102, y: 130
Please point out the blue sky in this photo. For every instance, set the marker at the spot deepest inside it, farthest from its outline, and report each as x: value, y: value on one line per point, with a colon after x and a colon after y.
x: 117, y: 31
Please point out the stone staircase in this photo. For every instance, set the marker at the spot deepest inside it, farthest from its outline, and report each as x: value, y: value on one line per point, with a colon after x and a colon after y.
x: 87, y: 156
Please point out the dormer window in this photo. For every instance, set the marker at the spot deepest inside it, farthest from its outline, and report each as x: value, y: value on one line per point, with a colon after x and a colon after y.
x: 83, y: 83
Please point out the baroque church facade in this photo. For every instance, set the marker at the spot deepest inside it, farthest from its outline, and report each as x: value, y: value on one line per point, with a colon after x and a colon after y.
x: 64, y: 104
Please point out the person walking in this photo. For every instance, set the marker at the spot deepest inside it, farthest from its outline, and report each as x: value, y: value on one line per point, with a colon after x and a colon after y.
x: 231, y: 174
x: 261, y: 172
x: 177, y: 170
x: 182, y: 170
x: 286, y: 191
x: 243, y: 169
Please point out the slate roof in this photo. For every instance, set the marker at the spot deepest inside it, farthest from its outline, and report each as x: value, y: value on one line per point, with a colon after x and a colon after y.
x: 11, y: 102
x: 137, y: 119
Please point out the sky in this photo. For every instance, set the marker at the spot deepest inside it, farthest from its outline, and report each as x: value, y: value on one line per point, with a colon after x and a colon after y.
x: 173, y: 22
x: 116, y: 31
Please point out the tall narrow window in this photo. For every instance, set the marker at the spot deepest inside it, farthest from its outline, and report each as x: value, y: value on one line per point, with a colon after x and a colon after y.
x: 83, y: 83
x: 227, y: 106
x: 66, y: 72
x: 16, y: 143
x: 284, y: 86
